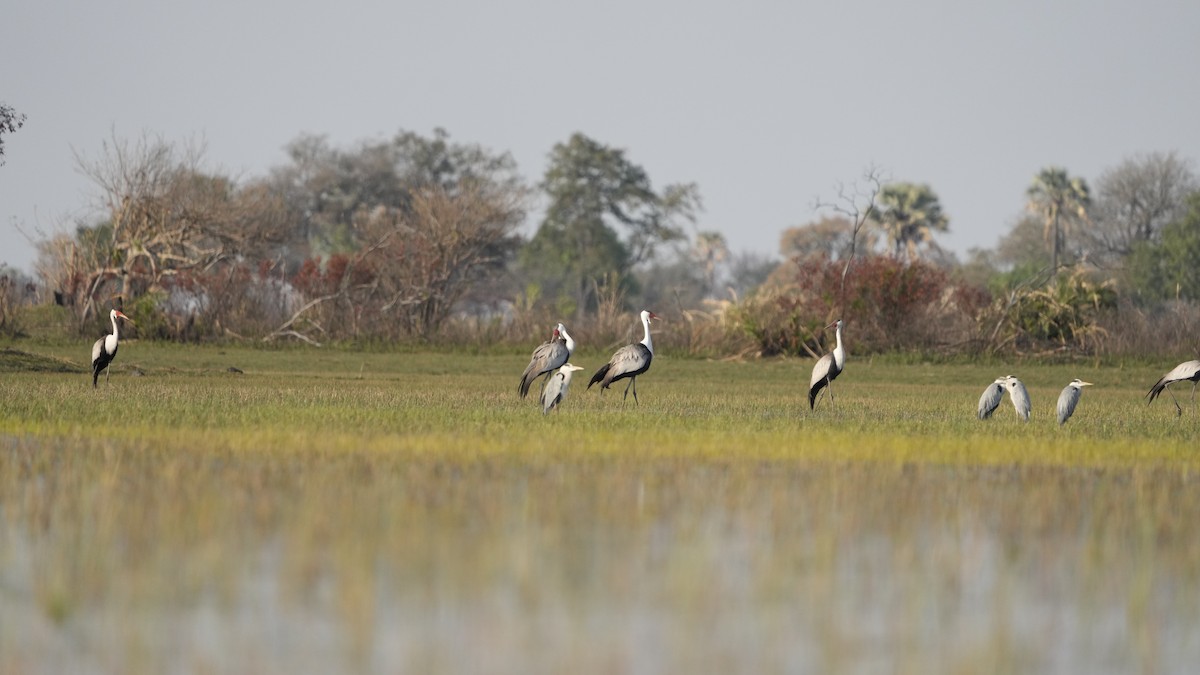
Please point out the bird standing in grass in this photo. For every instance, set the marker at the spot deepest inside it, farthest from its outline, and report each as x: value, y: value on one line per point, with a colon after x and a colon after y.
x: 105, y: 349
x: 827, y: 369
x: 548, y: 356
x: 1188, y: 370
x: 556, y: 387
x: 628, y: 362
x: 1019, y: 395
x: 991, y: 398
x: 1069, y: 398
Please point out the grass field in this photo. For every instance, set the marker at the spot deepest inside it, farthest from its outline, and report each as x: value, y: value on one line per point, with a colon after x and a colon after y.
x: 333, y: 511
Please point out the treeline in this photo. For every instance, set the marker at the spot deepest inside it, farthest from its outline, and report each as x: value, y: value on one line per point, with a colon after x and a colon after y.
x: 418, y: 238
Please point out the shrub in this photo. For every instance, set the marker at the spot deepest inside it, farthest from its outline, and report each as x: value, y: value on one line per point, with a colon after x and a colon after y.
x: 888, y: 305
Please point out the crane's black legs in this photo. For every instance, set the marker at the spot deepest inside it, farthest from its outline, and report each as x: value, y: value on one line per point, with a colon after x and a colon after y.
x: 1178, y: 410
x: 632, y: 383
x: 828, y: 387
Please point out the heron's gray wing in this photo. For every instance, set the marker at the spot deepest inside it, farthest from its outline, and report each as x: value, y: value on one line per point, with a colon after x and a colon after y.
x: 1067, y: 401
x: 990, y: 400
x: 1020, y: 398
x: 553, y: 393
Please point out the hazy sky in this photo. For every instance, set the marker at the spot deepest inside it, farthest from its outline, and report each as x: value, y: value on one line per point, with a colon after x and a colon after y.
x: 765, y: 105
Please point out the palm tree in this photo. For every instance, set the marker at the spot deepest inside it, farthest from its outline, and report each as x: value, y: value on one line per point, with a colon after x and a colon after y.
x: 1060, y: 200
x: 909, y: 214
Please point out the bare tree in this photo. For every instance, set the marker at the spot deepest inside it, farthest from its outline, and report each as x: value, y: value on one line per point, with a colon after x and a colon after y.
x: 1135, y: 199
x: 856, y: 203
x: 166, y: 223
x: 421, y: 261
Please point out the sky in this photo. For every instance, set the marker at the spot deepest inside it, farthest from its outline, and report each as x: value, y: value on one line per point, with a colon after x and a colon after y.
x: 766, y: 106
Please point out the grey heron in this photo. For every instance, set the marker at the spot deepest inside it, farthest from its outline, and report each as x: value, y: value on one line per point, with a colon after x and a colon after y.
x: 628, y: 361
x: 1019, y: 395
x: 1188, y: 370
x: 1069, y: 398
x: 991, y: 398
x: 556, y: 388
x: 105, y: 349
x: 548, y: 356
x: 827, y: 368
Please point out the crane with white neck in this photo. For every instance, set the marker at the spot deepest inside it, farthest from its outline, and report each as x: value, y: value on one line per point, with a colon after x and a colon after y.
x: 105, y: 349
x: 628, y: 362
x: 827, y: 368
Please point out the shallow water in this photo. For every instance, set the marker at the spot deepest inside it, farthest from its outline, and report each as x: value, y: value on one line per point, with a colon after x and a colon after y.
x: 129, y: 562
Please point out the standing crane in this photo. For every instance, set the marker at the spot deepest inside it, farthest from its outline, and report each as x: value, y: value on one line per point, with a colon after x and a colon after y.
x: 105, y: 349
x: 1188, y: 370
x: 1069, y: 398
x: 628, y: 362
x: 548, y: 356
x: 827, y: 369
x: 556, y: 387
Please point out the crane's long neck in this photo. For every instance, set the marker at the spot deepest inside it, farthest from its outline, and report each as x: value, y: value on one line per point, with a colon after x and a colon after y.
x: 116, y: 335
x: 839, y: 354
x: 646, y: 340
x: 570, y: 342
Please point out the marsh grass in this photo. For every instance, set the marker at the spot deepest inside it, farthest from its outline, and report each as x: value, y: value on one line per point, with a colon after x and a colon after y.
x: 335, y: 511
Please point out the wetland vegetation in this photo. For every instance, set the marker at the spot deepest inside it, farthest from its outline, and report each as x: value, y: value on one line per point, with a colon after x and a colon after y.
x: 333, y: 511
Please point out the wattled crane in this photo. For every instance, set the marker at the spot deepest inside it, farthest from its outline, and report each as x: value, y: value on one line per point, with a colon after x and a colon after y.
x: 628, y: 362
x: 105, y: 349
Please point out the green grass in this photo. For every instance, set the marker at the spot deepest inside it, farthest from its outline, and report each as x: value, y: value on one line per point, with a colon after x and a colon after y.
x: 326, y: 511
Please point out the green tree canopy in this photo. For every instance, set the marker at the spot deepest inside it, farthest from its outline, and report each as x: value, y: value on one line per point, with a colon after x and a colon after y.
x: 1170, y: 268
x: 908, y: 214
x: 603, y: 218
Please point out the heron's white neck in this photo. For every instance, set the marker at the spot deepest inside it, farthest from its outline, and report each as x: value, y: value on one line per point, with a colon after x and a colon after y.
x: 839, y: 354
x: 646, y: 327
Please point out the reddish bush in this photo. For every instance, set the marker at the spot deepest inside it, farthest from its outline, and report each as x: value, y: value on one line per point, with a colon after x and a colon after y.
x: 888, y: 305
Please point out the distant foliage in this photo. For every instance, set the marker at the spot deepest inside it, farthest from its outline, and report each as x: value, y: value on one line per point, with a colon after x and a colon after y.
x: 1170, y: 268
x: 890, y: 305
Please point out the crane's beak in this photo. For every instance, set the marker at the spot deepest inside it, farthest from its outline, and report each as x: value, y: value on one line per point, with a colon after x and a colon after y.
x: 122, y: 315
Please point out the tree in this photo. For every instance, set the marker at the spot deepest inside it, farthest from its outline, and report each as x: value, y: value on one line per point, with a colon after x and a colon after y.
x: 908, y: 215
x: 167, y: 219
x: 10, y: 121
x: 1170, y: 268
x: 603, y: 218
x: 1060, y: 200
x: 428, y: 255
x: 858, y: 203
x: 828, y: 236
x: 404, y: 228
x: 1135, y: 200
